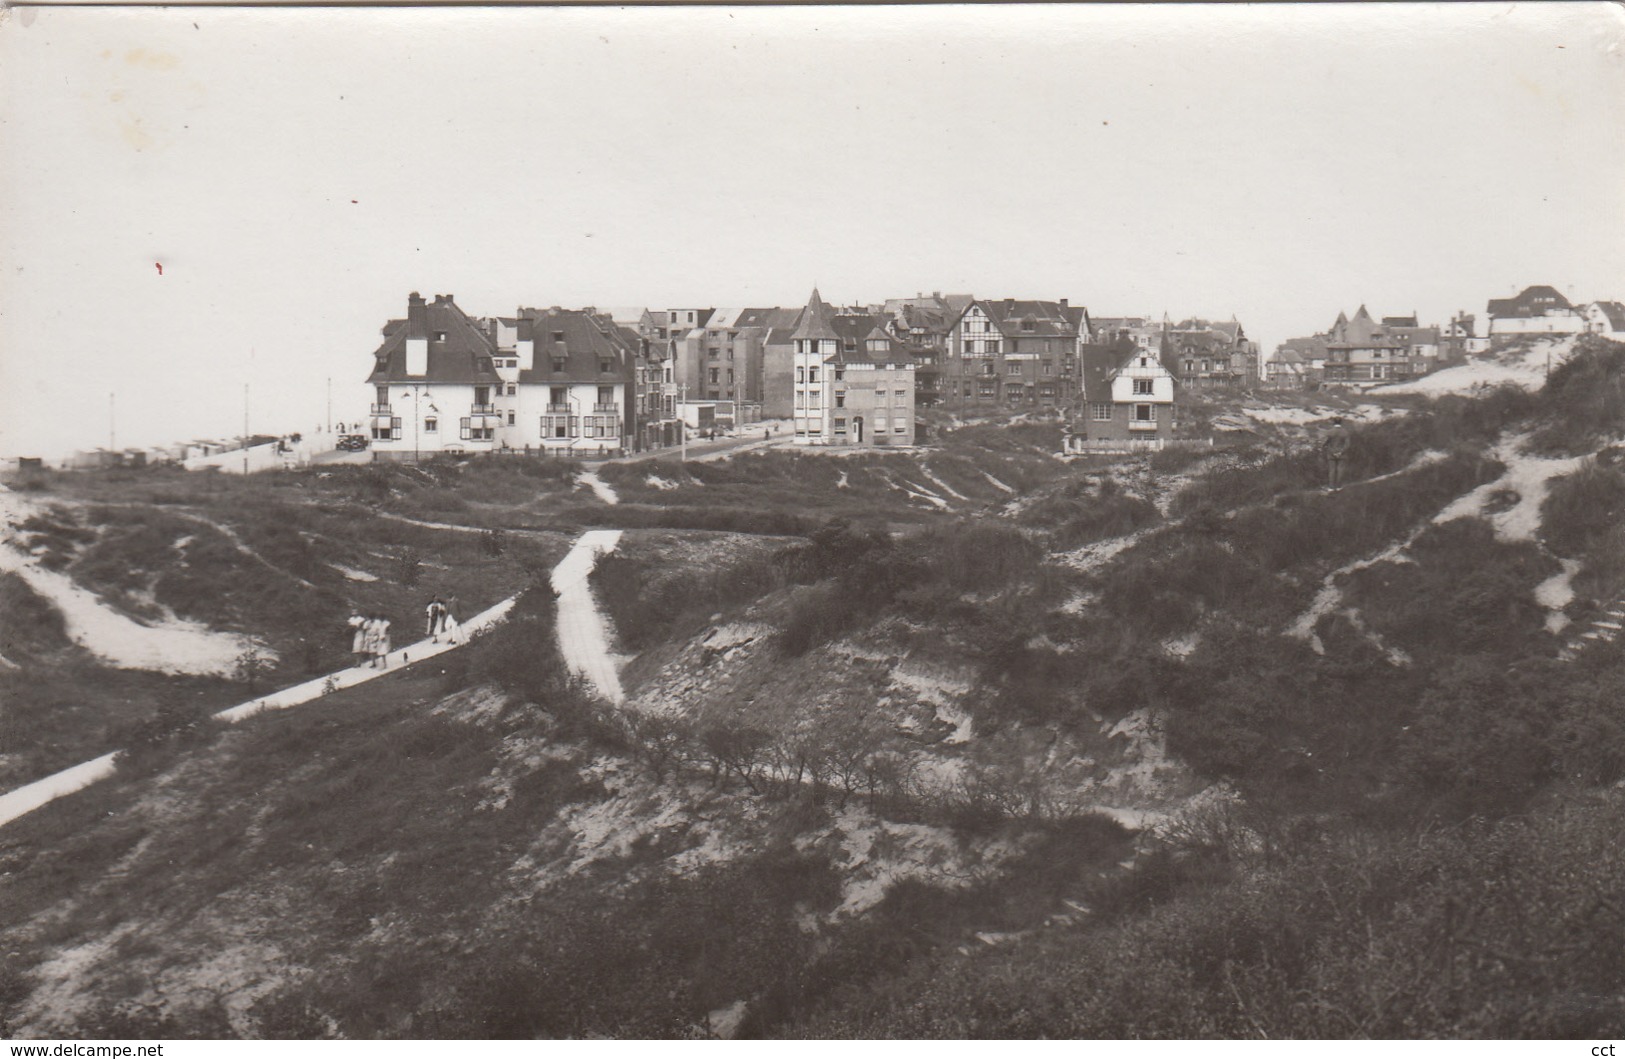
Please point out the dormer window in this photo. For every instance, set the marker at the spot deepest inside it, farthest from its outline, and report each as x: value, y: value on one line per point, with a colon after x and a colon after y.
x: 605, y: 365
x: 440, y: 336
x: 558, y: 364
x: 1028, y: 325
x: 558, y: 336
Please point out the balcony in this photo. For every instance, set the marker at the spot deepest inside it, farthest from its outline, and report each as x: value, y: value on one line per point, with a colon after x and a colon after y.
x: 604, y: 409
x: 1142, y: 424
x: 482, y: 409
x: 380, y: 410
x: 558, y: 409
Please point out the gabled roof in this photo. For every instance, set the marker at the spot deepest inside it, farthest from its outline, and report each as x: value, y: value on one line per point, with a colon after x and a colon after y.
x: 1098, y: 365
x: 463, y: 356
x: 1017, y: 318
x: 584, y: 340
x: 1615, y: 312
x: 1531, y: 301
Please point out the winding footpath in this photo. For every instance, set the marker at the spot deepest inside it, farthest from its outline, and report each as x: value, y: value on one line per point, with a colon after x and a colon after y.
x: 583, y: 641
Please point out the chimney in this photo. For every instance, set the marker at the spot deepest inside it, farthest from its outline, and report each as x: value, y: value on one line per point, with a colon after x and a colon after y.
x: 1063, y: 305
x: 417, y: 336
x: 524, y: 346
x: 1009, y: 305
x: 937, y: 295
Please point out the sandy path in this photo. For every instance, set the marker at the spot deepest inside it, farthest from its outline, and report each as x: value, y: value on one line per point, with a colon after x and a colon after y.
x: 120, y: 641
x: 600, y: 488
x: 583, y: 635
x: 582, y: 640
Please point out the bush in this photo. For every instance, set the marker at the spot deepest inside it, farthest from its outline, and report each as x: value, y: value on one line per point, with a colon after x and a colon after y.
x: 1584, y: 398
x: 1584, y: 506
x: 1081, y: 514
x: 649, y: 603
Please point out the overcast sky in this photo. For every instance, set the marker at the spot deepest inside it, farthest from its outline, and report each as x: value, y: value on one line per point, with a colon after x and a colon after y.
x: 298, y: 172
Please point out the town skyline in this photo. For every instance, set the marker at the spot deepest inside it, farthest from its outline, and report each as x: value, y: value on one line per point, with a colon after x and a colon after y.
x: 1424, y: 162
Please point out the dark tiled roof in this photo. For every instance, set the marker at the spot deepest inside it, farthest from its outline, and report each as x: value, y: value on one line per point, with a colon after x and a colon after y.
x: 1615, y: 313
x: 1013, y: 315
x: 463, y: 356
x: 586, y: 341
x: 1097, y: 365
x: 1530, y: 302
x: 815, y: 320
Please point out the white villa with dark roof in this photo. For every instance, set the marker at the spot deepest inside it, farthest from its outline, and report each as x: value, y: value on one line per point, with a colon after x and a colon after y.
x: 545, y: 379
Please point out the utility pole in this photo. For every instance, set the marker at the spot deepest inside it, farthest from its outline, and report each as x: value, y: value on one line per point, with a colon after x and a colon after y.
x: 245, y: 429
x: 682, y: 417
x: 112, y: 433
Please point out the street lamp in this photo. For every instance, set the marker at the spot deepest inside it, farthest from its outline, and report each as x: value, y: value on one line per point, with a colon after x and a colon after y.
x: 419, y: 391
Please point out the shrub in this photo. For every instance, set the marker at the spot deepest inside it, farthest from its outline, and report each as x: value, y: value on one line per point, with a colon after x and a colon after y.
x: 1584, y: 506
x: 649, y: 603
x: 1584, y: 398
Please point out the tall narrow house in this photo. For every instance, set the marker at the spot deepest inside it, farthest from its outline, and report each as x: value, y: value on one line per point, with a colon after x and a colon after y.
x: 854, y: 380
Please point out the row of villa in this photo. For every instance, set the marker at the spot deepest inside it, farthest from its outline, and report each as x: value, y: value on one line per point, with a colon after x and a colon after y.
x: 1363, y: 351
x: 590, y: 381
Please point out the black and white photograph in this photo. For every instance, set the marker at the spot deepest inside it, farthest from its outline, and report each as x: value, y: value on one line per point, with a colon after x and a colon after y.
x: 1097, y: 522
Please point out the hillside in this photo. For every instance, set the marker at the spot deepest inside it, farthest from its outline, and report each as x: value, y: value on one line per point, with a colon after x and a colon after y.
x: 960, y: 742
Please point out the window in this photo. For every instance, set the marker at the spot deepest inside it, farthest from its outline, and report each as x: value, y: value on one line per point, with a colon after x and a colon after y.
x: 801, y: 374
x: 716, y: 374
x: 987, y: 369
x: 513, y: 388
x: 1027, y: 325
x: 1142, y: 387
x: 840, y: 374
x: 510, y: 417
x: 840, y: 426
x: 730, y: 375
x: 899, y: 426
x: 840, y: 400
x: 1102, y: 412
x: 431, y: 425
x: 383, y: 397
x: 558, y: 365
x: 992, y: 349
x: 880, y: 424
x: 812, y: 374
x: 440, y: 336
x: 1049, y: 368
x: 606, y: 397
x: 558, y: 336
x: 1144, y: 414
x: 713, y: 352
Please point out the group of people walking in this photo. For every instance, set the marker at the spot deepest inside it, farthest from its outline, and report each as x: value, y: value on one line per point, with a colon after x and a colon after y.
x: 369, y: 640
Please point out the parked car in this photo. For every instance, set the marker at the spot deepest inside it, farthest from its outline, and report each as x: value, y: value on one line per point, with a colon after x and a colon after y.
x: 353, y: 442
